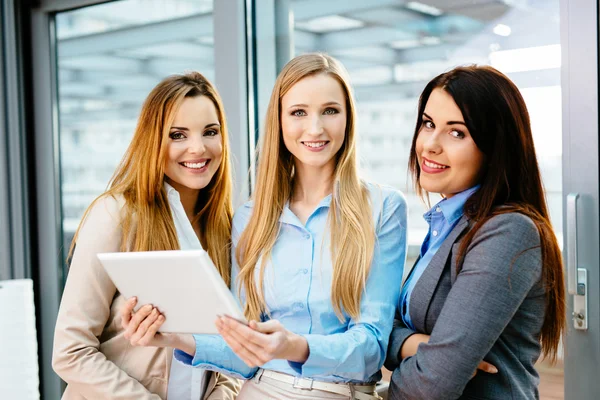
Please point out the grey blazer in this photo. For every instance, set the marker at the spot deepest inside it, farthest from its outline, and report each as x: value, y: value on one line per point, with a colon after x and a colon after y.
x: 492, y: 310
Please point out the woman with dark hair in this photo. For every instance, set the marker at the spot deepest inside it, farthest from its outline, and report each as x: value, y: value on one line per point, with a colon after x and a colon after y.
x: 486, y: 296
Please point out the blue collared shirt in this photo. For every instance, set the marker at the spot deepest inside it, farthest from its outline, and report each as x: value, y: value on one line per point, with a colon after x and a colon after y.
x: 442, y: 218
x: 297, y: 289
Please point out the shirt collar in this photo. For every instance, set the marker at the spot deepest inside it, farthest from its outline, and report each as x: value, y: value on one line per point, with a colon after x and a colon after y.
x: 171, y: 191
x: 452, y: 208
x: 288, y: 217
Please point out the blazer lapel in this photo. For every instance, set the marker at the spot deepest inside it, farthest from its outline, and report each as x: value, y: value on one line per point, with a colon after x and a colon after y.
x: 454, y: 252
x: 423, y: 291
x: 406, y: 276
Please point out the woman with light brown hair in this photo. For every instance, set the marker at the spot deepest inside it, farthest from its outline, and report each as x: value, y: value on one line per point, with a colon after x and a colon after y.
x: 171, y: 191
x: 316, y: 254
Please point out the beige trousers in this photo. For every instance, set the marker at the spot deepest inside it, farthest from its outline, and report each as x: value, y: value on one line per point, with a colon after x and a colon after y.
x: 270, y: 389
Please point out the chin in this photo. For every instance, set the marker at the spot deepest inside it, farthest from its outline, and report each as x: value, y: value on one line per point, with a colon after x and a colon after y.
x: 431, y: 188
x: 316, y: 162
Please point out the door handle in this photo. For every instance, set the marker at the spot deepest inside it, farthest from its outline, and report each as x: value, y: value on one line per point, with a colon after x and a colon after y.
x: 576, y: 277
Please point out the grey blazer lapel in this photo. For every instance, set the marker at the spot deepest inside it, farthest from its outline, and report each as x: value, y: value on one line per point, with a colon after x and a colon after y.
x: 406, y: 276
x: 423, y: 291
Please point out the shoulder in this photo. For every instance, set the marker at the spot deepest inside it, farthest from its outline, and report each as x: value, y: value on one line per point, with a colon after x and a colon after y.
x: 513, y: 225
x: 387, y: 201
x: 242, y: 216
x: 507, y: 244
x: 106, y: 210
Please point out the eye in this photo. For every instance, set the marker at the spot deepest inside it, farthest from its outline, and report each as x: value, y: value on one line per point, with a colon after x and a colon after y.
x: 457, y: 134
x: 299, y: 113
x: 211, y: 132
x: 177, y: 135
x: 330, y: 111
x: 428, y: 124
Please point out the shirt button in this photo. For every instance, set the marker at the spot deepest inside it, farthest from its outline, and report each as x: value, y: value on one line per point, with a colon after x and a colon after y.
x: 305, y: 271
x: 438, y: 209
x: 298, y: 305
x: 435, y: 233
x: 307, y: 236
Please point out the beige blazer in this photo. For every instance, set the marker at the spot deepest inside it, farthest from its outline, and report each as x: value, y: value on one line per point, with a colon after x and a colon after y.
x: 90, y: 352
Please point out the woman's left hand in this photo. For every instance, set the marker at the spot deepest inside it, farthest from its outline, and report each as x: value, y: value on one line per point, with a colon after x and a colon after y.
x: 260, y: 342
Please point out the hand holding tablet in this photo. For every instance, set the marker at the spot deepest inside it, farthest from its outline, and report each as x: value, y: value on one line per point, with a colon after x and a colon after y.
x: 183, y: 285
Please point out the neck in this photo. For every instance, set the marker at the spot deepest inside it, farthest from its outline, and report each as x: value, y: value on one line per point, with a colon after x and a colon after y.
x: 312, y: 184
x: 188, y: 198
x: 188, y: 201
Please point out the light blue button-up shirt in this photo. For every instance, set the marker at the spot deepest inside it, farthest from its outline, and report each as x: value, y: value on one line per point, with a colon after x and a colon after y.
x: 297, y: 290
x: 442, y: 218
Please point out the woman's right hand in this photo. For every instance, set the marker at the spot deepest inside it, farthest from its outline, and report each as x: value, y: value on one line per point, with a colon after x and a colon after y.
x: 141, y: 328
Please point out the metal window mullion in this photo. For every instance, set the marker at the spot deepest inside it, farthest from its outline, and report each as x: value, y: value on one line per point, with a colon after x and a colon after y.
x: 15, y: 145
x: 231, y: 79
x: 5, y: 241
x: 47, y: 183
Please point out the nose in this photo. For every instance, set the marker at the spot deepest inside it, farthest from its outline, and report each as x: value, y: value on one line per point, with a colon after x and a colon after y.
x: 196, y: 144
x: 432, y: 143
x: 316, y: 125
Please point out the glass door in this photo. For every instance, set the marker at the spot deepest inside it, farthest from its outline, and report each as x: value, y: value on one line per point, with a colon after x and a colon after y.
x: 579, y: 37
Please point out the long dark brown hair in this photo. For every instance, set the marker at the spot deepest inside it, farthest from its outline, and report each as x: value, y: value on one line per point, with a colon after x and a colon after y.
x: 496, y: 116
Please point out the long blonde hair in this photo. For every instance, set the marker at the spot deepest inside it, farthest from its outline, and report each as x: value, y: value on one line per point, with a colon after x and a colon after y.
x: 350, y: 220
x: 147, y: 222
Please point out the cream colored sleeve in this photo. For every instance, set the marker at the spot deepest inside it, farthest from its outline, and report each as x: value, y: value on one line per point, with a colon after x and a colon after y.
x: 85, y: 309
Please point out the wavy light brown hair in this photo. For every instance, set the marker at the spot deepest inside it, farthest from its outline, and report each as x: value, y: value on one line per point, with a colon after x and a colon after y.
x: 350, y: 220
x: 497, y: 119
x: 147, y: 221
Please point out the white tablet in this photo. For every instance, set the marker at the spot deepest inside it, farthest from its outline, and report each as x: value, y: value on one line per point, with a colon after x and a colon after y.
x: 183, y: 284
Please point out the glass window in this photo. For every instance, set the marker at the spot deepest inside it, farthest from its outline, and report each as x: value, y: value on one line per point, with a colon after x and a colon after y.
x: 392, y: 49
x: 109, y: 58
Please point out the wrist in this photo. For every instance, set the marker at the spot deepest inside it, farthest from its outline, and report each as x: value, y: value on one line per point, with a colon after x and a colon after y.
x: 297, y: 348
x: 184, y: 342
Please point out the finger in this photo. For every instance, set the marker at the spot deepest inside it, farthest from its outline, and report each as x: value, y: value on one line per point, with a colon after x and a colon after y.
x: 487, y: 367
x: 266, y: 327
x: 136, y: 319
x: 241, y: 350
x: 152, y: 336
x: 143, y: 327
x: 262, y: 352
x: 127, y: 310
x: 252, y: 354
x: 245, y: 333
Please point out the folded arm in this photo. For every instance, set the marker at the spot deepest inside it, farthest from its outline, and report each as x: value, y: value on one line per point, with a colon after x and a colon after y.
x: 501, y: 266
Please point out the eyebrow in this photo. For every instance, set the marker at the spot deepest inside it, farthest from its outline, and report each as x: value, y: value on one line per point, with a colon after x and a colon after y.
x: 329, y: 103
x: 448, y: 122
x: 183, y: 128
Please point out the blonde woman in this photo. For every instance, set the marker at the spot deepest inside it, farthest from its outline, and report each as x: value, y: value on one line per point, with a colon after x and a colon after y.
x: 171, y: 191
x: 316, y: 255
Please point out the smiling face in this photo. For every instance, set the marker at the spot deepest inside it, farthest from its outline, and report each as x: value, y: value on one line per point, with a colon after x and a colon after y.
x: 449, y: 159
x: 313, y: 120
x: 195, y: 145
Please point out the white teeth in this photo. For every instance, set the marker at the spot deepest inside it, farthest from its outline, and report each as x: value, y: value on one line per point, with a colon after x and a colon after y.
x: 195, y: 165
x: 315, y: 145
x: 432, y: 165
